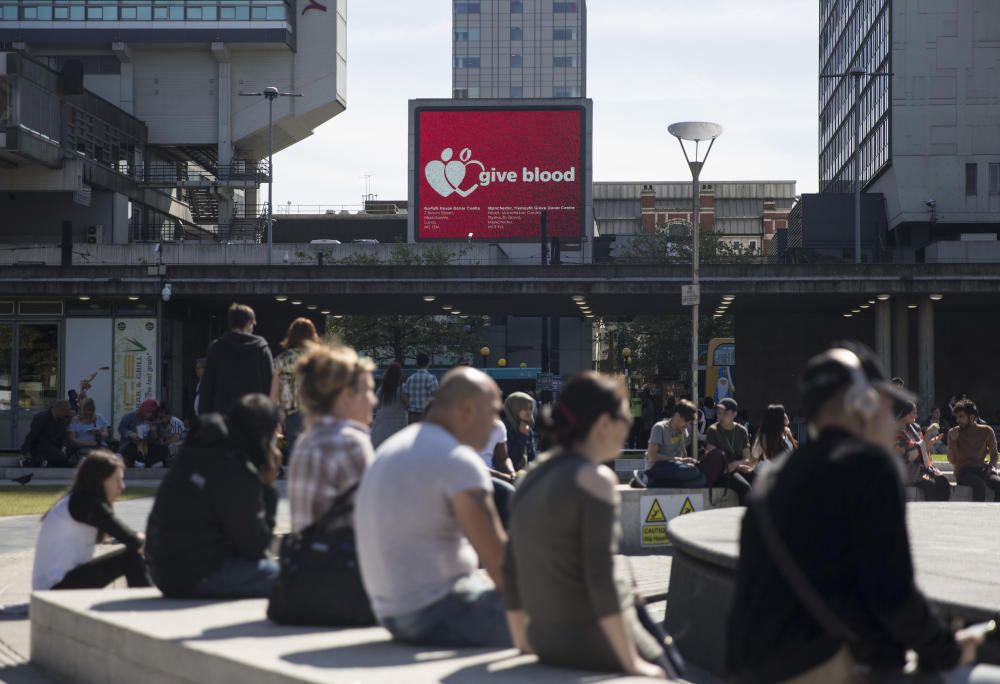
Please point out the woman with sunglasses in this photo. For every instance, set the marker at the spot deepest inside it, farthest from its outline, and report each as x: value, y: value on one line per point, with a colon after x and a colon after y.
x: 567, y: 598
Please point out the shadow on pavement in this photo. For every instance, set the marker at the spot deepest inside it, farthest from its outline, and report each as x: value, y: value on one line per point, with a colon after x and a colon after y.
x: 153, y: 605
x: 375, y: 654
x: 264, y: 629
x: 524, y: 672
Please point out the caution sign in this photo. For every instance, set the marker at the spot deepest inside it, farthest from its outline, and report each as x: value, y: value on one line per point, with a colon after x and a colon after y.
x: 656, y: 511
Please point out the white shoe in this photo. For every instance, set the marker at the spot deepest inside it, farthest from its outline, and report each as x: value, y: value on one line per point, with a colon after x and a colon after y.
x: 640, y: 477
x: 140, y: 464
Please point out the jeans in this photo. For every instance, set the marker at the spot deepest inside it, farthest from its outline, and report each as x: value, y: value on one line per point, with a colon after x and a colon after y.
x: 294, y: 424
x: 101, y: 572
x: 239, y: 578
x: 471, y: 615
x: 42, y: 451
x: 738, y: 483
x: 503, y: 493
x: 936, y: 489
x: 979, y: 480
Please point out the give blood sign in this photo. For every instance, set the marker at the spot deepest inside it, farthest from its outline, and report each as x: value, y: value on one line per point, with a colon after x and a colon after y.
x: 492, y: 173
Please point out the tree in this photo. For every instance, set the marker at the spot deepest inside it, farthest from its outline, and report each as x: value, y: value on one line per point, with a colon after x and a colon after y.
x: 397, y: 337
x: 671, y: 244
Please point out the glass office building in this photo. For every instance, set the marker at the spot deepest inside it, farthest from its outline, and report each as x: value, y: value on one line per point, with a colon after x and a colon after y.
x: 519, y: 49
x: 853, y: 34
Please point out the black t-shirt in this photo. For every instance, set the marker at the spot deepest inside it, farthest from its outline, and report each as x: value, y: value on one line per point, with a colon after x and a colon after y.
x: 838, y: 504
x: 732, y: 442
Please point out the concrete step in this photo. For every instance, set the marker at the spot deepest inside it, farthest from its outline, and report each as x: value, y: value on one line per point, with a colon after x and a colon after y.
x: 79, y: 636
x: 66, y: 474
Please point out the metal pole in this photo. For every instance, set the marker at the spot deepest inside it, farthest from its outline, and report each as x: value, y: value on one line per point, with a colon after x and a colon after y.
x: 857, y: 168
x: 695, y: 310
x: 270, y: 174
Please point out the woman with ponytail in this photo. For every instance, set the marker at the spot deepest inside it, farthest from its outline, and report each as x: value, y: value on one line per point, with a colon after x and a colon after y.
x: 567, y: 598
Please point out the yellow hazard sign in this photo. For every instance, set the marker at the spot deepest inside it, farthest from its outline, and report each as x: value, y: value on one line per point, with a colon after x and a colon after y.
x: 654, y: 535
x: 655, y: 514
x: 687, y: 507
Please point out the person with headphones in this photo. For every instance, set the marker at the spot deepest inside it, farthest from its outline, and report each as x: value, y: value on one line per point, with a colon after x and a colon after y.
x: 825, y: 582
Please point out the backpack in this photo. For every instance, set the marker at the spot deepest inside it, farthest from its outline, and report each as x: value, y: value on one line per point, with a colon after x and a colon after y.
x: 713, y: 465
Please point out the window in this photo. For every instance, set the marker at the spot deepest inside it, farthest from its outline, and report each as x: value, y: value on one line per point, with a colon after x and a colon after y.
x: 517, y: 91
x: 970, y: 179
x: 516, y: 33
x: 565, y: 91
x: 564, y: 7
x: 467, y: 62
x: 567, y: 61
x: 466, y: 35
x: 516, y: 61
x: 564, y: 34
x: 466, y: 8
x: 466, y: 93
x: 516, y: 7
x: 995, y: 179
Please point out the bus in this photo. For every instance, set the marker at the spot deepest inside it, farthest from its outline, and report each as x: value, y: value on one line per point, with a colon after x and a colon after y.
x: 720, y: 368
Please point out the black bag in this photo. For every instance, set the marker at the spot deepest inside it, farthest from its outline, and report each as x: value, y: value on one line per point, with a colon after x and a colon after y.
x: 714, y: 465
x: 320, y: 580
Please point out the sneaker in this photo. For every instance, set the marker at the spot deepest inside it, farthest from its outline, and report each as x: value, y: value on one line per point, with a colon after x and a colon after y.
x: 639, y: 480
x: 138, y: 464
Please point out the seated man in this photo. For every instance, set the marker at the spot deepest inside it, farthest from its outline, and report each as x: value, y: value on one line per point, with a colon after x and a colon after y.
x: 133, y: 429
x: 734, y: 441
x: 420, y: 546
x: 667, y: 463
x: 166, y: 436
x: 46, y: 439
x: 969, y: 444
x: 825, y: 582
x: 214, y: 513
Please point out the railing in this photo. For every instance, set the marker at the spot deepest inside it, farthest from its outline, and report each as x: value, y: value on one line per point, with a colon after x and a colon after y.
x: 380, y: 209
x: 245, y: 170
x: 147, y: 10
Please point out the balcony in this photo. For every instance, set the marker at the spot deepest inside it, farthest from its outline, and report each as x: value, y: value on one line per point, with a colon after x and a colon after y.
x: 32, y: 21
x: 240, y: 173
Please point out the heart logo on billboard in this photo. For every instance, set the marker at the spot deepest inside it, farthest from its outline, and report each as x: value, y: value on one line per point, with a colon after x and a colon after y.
x: 446, y: 175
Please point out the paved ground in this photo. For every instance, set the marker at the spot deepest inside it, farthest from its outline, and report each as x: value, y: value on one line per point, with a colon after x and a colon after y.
x: 17, y: 539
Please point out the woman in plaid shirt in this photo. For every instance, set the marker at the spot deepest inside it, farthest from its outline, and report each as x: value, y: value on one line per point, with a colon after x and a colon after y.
x: 337, y: 393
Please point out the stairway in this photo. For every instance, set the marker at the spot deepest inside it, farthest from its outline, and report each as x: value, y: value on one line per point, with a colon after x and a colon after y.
x: 204, y: 206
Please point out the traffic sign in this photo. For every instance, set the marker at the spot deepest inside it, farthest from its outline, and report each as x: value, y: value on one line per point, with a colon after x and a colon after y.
x: 690, y: 294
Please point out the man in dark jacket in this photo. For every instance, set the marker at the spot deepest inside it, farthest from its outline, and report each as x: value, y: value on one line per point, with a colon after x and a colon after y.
x: 46, y: 439
x: 238, y: 363
x: 834, y: 515
x: 214, y: 513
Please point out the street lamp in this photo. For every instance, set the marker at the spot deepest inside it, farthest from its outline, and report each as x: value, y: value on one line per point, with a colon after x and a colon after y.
x: 857, y: 74
x: 485, y: 353
x: 626, y: 357
x: 696, y: 132
x: 270, y: 94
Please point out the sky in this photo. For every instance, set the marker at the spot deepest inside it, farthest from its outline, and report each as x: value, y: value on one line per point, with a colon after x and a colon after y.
x: 750, y: 66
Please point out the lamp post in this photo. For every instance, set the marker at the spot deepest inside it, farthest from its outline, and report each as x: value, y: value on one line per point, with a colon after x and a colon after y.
x: 856, y: 75
x: 696, y: 132
x: 270, y: 94
x: 485, y: 353
x: 626, y: 358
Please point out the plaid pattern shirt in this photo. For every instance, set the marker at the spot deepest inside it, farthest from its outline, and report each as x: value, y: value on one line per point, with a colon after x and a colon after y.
x: 419, y: 388
x: 328, y: 459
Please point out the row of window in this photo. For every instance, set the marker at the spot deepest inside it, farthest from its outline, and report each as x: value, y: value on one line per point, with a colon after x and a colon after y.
x: 472, y: 35
x: 517, y: 7
x: 972, y: 179
x: 472, y: 92
x: 226, y: 10
x: 517, y: 62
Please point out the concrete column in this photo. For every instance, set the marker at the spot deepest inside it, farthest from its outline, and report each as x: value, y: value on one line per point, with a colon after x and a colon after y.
x: 900, y: 339
x: 225, y: 144
x: 124, y: 55
x: 883, y: 333
x: 925, y: 354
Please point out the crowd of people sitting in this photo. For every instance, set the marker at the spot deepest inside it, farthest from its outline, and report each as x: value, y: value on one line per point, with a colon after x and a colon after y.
x: 415, y: 530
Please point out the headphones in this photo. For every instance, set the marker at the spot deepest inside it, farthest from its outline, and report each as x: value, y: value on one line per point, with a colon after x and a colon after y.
x: 860, y: 398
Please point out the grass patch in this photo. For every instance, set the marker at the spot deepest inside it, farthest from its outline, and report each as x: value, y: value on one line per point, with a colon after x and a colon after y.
x: 36, y: 499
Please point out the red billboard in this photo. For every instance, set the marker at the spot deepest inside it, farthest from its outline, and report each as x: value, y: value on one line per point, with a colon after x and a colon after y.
x: 492, y: 172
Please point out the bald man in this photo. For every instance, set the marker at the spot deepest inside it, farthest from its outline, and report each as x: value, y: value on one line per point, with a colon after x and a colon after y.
x: 424, y: 519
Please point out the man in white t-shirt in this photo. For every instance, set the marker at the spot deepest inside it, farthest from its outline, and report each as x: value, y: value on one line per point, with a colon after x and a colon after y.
x: 420, y: 547
x: 501, y: 470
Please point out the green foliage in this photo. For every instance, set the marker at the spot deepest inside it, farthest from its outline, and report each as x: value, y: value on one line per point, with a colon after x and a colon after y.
x: 397, y: 338
x: 672, y: 245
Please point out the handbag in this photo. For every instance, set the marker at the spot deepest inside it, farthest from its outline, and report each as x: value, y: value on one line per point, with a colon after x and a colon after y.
x: 320, y: 580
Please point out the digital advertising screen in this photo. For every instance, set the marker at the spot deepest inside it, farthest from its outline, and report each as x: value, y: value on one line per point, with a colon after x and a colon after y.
x: 492, y: 172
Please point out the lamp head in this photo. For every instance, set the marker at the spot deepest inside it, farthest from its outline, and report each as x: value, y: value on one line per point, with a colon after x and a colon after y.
x: 695, y: 131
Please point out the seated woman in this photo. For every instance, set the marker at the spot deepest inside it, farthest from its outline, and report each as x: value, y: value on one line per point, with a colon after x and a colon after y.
x: 213, y: 517
x: 64, y: 555
x: 337, y: 392
x: 568, y: 598
x: 918, y: 468
x: 774, y: 439
x: 520, y: 423
x: 87, y: 432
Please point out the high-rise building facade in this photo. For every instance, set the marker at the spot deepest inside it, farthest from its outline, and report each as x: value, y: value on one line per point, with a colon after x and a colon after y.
x: 519, y: 49
x: 930, y: 143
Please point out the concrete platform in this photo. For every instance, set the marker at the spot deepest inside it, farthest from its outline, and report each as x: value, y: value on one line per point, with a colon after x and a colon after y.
x: 955, y: 569
x: 641, y: 526
x: 136, y: 637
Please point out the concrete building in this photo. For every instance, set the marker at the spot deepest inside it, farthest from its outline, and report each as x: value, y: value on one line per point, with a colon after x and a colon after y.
x: 519, y: 48
x: 745, y: 213
x: 930, y: 143
x: 192, y: 156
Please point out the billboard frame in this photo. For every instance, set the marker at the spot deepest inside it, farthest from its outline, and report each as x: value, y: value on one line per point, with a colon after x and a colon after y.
x: 583, y: 105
